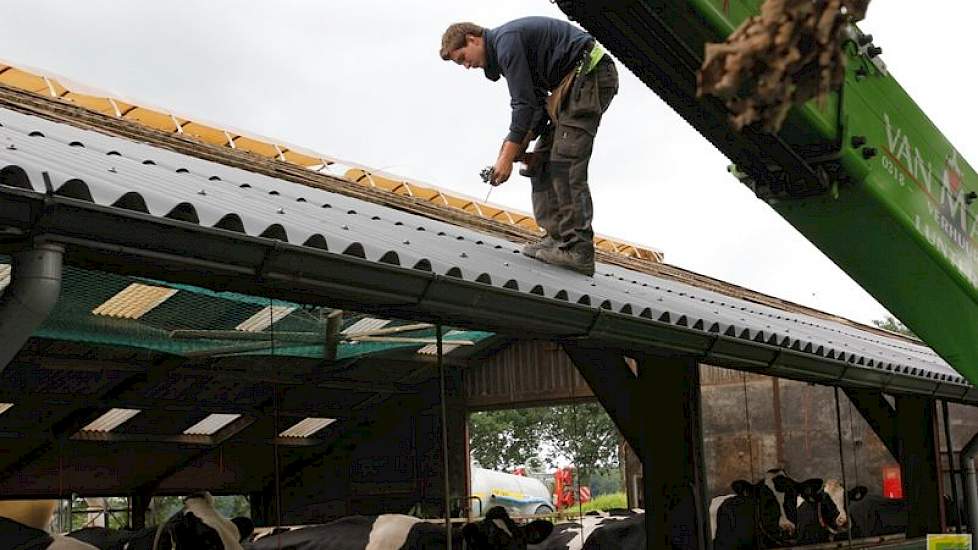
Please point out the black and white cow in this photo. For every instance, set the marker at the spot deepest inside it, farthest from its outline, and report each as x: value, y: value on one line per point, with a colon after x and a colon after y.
x: 577, y: 534
x: 24, y: 523
x: 197, y: 526
x: 757, y: 515
x: 876, y: 516
x: 821, y: 511
x: 496, y: 531
x: 619, y: 534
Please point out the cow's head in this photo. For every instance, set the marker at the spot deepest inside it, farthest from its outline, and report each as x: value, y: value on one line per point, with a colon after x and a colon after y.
x: 828, y: 500
x: 784, y: 489
x: 498, y: 532
x: 198, y: 526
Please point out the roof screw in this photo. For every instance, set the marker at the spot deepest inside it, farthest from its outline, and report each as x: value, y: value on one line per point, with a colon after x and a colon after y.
x: 12, y: 147
x: 506, y: 264
x: 463, y: 255
x: 202, y: 193
x: 407, y: 242
x: 346, y: 228
x: 281, y: 211
x: 112, y: 169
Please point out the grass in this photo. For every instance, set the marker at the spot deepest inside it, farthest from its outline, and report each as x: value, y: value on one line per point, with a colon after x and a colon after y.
x: 603, y: 502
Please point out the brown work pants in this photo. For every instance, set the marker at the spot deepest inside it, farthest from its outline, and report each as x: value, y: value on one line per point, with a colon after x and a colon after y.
x: 561, y: 198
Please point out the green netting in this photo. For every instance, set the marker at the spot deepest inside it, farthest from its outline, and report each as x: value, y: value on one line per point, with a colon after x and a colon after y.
x: 301, y: 332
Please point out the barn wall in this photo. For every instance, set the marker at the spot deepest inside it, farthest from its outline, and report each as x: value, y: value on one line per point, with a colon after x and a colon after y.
x: 746, y: 433
x: 527, y: 373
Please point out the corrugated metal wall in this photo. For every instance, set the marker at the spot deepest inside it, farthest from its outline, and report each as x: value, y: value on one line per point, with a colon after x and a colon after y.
x: 525, y: 374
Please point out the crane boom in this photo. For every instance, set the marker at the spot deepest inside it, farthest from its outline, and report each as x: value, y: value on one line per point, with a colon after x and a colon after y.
x: 864, y: 174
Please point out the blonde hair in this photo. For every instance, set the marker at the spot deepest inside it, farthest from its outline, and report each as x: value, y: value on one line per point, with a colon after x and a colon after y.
x: 454, y: 37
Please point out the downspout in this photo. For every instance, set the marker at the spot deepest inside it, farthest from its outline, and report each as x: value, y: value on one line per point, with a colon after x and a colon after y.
x: 970, y: 484
x: 35, y: 284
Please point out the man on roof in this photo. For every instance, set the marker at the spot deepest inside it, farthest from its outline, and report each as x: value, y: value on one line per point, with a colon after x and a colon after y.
x: 560, y: 84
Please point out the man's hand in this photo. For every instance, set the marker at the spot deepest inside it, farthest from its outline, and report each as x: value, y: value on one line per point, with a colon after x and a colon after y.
x: 504, y: 164
x: 501, y: 171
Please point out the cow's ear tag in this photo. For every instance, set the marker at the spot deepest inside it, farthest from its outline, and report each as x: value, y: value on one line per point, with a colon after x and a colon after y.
x: 537, y: 531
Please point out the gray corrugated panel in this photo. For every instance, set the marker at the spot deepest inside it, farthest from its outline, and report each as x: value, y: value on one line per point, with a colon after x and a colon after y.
x: 112, y: 171
x: 797, y: 327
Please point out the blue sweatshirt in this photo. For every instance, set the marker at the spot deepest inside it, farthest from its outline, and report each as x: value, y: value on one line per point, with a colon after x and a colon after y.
x: 534, y: 54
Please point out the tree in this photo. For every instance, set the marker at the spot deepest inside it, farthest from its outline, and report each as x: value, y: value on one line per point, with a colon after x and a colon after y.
x: 502, y: 440
x: 584, y: 434
x: 893, y: 324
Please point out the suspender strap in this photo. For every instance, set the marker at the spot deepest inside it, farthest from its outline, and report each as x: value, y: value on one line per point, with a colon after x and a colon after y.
x: 591, y: 61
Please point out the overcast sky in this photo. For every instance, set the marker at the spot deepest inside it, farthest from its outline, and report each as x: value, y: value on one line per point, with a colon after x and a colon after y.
x: 361, y: 80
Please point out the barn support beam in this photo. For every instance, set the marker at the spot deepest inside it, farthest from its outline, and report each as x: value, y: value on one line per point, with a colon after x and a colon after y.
x: 139, y: 505
x: 968, y: 454
x: 920, y: 464
x: 657, y: 409
x: 879, y: 414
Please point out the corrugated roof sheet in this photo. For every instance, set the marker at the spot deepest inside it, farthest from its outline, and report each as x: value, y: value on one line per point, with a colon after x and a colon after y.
x: 446, y: 346
x: 4, y: 407
x: 307, y: 427
x: 367, y: 324
x: 4, y: 275
x: 134, y: 301
x: 162, y: 121
x: 212, y: 424
x: 110, y: 420
x: 265, y: 318
x: 109, y: 171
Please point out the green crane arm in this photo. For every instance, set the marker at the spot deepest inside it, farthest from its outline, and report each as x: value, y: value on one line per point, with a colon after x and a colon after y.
x: 864, y: 175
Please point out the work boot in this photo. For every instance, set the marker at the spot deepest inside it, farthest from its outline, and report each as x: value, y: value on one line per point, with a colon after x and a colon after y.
x: 531, y: 249
x: 579, y: 259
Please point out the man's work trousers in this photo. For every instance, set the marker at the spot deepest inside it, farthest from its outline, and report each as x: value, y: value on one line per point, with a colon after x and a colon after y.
x: 561, y: 198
